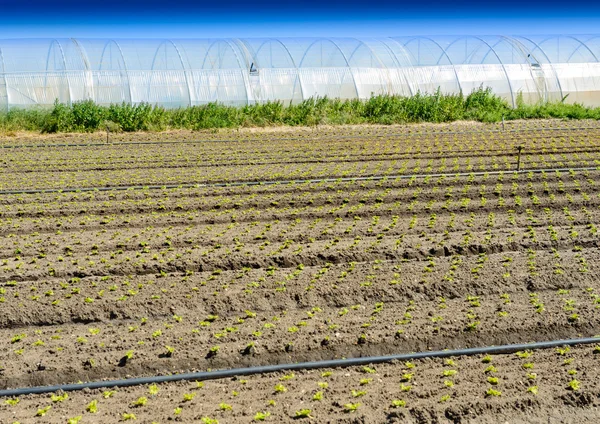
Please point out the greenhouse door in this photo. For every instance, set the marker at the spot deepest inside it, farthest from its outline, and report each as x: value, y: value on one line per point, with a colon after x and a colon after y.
x: 255, y: 94
x: 3, y: 95
x: 540, y: 82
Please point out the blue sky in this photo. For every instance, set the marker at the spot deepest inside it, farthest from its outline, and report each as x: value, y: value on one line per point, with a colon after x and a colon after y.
x: 260, y: 18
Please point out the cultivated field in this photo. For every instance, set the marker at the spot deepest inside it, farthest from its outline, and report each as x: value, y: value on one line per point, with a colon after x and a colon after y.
x: 159, y: 254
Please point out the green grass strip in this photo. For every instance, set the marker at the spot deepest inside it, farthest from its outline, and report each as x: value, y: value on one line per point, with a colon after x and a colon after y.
x: 480, y: 105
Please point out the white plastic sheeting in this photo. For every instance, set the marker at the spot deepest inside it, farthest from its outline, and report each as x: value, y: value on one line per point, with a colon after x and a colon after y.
x: 176, y: 73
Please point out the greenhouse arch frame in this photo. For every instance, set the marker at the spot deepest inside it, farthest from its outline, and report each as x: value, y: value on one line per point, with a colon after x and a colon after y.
x: 243, y: 71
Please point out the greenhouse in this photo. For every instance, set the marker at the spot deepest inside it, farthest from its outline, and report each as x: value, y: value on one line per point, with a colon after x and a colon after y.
x: 179, y: 73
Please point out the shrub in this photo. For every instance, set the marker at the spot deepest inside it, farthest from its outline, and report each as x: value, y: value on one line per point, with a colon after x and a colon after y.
x: 480, y: 105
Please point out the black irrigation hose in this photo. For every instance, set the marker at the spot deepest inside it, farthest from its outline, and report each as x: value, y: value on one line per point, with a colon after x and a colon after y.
x: 334, y: 363
x: 284, y: 182
x: 57, y: 166
x: 309, y: 136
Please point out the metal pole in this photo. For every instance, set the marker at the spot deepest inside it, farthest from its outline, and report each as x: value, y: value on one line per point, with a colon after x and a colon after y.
x: 520, y: 148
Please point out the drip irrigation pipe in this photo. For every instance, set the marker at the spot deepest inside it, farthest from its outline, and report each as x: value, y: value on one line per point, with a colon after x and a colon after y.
x: 308, y: 137
x: 334, y: 363
x: 58, y: 166
x: 283, y: 182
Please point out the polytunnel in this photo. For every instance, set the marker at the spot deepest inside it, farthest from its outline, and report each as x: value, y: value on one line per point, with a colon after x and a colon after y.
x: 188, y: 72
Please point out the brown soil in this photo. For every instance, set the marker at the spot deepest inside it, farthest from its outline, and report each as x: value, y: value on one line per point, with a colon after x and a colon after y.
x: 297, y: 272
x: 522, y: 388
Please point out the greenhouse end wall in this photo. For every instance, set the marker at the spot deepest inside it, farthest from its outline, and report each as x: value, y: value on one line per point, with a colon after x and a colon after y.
x: 179, y: 73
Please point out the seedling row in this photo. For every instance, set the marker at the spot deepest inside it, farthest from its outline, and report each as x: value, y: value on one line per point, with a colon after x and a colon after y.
x: 110, y: 284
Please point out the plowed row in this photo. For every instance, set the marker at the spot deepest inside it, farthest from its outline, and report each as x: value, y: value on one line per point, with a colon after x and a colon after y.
x: 112, y: 284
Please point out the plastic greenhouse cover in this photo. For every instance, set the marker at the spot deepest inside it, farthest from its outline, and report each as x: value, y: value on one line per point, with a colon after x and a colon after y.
x: 185, y: 72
